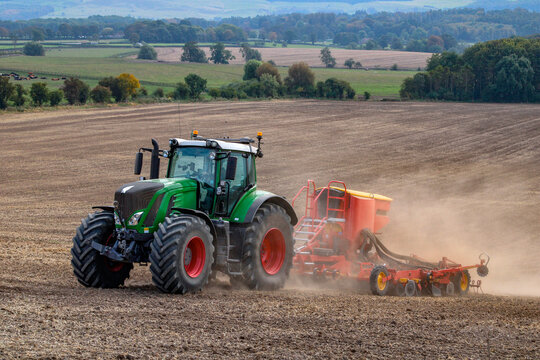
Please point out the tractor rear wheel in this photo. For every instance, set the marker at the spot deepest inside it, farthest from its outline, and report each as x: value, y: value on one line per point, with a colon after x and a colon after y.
x: 461, y: 282
x: 91, y: 268
x: 268, y: 249
x: 181, y: 254
x: 379, y: 282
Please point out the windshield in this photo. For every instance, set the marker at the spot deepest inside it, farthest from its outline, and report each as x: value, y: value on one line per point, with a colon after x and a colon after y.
x: 193, y: 163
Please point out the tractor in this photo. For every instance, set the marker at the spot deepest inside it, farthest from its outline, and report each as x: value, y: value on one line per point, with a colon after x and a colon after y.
x: 205, y: 216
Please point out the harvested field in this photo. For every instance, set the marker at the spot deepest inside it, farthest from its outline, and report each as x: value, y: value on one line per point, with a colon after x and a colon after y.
x: 288, y: 56
x: 465, y: 179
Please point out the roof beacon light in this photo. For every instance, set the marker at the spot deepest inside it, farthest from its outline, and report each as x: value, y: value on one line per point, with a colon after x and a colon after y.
x: 259, y: 138
x: 194, y: 134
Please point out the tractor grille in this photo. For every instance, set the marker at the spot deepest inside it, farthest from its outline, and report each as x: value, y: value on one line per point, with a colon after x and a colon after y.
x: 134, y: 196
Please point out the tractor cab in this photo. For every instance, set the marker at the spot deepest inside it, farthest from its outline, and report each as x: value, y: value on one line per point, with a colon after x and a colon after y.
x: 223, y: 168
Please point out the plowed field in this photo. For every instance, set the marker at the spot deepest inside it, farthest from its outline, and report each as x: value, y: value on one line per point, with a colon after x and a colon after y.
x: 465, y: 178
x: 288, y: 56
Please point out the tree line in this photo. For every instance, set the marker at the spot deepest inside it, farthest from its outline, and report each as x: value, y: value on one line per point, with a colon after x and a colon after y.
x: 506, y: 70
x: 435, y: 31
x: 75, y: 92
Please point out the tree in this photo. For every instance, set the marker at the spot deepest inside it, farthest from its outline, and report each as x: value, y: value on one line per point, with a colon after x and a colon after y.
x: 181, y: 92
x: 39, y: 93
x: 146, y: 52
x: 327, y: 59
x: 358, y: 65
x: 268, y: 68
x: 75, y: 91
x: 349, y: 63
x: 250, y: 69
x: 6, y: 90
x: 449, y: 41
x: 134, y: 38
x: 33, y: 49
x: 158, y: 93
x: 132, y: 83
x: 513, y: 80
x: 269, y: 86
x: 196, y: 85
x: 249, y: 54
x: 300, y: 75
x: 371, y: 45
x: 220, y: 55
x: 18, y: 97
x: 101, y: 94
x: 214, y: 93
x: 119, y: 89
x: 193, y: 53
x: 37, y: 35
x: 396, y: 44
x: 55, y: 97
x: 272, y: 36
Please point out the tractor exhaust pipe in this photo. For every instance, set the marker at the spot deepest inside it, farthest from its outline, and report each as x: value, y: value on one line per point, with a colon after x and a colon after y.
x: 154, y: 162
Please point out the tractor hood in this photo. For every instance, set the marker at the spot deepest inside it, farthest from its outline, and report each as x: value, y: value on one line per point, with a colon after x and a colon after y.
x: 138, y: 195
x: 134, y: 196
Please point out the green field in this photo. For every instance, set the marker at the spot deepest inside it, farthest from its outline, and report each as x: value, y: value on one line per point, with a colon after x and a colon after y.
x: 92, y: 64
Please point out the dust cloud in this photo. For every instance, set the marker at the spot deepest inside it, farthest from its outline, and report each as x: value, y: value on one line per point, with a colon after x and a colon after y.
x: 469, y: 216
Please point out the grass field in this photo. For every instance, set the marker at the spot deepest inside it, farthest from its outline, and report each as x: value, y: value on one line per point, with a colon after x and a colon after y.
x: 93, y: 64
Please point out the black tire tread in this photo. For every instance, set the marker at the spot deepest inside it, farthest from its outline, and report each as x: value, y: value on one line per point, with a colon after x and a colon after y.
x: 163, y: 254
x: 88, y: 265
x: 253, y: 232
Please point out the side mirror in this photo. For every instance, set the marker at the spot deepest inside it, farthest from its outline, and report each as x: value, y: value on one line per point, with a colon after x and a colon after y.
x: 231, y: 168
x: 138, y: 163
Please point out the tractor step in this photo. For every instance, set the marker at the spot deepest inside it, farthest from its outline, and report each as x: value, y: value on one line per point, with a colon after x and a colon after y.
x: 336, y: 220
x: 323, y: 252
x: 305, y: 232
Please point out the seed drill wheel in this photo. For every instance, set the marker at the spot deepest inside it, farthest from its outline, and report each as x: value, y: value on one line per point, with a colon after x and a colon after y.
x: 90, y: 268
x: 379, y: 281
x: 268, y: 249
x: 181, y: 254
x: 410, y: 288
x: 450, y: 289
x: 461, y: 282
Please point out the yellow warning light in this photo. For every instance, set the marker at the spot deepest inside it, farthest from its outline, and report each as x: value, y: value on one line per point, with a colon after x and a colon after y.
x: 195, y: 132
x: 259, y: 133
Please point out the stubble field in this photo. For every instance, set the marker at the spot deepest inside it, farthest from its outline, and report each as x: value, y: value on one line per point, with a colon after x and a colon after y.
x: 464, y: 178
x: 287, y: 56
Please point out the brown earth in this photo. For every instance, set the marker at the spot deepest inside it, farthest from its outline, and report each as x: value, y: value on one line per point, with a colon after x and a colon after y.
x: 465, y: 179
x: 288, y: 56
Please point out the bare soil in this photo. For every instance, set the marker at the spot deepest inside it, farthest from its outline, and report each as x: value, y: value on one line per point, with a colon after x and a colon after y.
x: 464, y: 178
x: 287, y: 56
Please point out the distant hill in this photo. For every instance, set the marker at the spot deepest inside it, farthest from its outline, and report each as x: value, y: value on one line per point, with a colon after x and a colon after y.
x: 30, y: 9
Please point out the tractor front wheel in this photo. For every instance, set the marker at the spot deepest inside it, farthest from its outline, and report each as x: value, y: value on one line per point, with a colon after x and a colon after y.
x: 182, y: 254
x: 91, y: 268
x: 268, y: 249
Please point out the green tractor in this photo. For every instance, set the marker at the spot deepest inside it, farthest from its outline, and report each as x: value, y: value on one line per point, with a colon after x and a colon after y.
x: 205, y: 216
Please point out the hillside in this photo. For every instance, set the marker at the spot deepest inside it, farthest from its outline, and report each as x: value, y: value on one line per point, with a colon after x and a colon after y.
x: 16, y: 10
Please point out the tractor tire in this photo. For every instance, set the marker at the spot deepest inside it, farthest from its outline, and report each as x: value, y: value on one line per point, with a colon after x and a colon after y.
x: 182, y: 254
x: 411, y: 289
x: 377, y: 281
x: 461, y: 283
x: 90, y: 268
x: 268, y: 249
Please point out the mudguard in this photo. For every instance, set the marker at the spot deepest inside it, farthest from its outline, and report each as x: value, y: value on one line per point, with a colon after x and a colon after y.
x: 200, y: 214
x: 272, y: 199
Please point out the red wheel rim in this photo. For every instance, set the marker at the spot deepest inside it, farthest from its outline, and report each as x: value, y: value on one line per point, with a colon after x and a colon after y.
x: 273, y: 251
x: 194, y: 257
x: 112, y: 265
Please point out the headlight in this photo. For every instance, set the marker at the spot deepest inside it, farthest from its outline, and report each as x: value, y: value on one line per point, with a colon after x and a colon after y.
x: 134, y: 220
x: 117, y: 219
